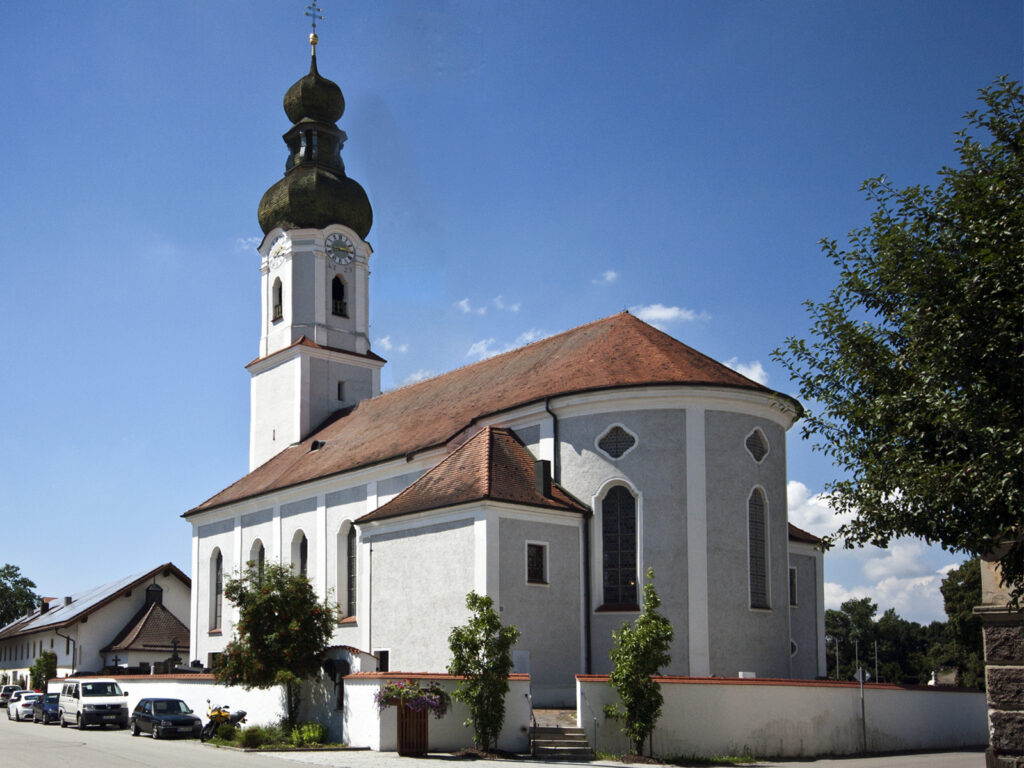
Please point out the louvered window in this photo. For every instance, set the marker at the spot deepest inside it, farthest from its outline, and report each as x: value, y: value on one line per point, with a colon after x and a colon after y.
x: 618, y: 545
x: 758, y: 543
x: 616, y: 442
x: 757, y: 445
x: 350, y: 609
x: 217, y: 593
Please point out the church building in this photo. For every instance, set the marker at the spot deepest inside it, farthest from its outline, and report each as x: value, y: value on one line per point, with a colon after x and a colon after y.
x: 550, y: 477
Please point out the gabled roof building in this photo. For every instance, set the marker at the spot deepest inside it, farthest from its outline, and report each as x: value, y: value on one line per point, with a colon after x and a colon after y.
x: 133, y: 622
x: 550, y: 477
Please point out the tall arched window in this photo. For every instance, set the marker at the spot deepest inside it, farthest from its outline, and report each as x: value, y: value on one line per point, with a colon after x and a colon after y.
x: 300, y: 553
x: 350, y: 609
x: 618, y: 547
x: 278, y: 300
x: 216, y: 589
x: 757, y: 542
x: 258, y: 557
x: 338, y: 304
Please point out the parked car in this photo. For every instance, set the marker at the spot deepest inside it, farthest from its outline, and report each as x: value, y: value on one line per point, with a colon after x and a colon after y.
x: 93, y: 701
x: 164, y: 717
x: 46, y: 708
x: 20, y: 705
x: 6, y: 692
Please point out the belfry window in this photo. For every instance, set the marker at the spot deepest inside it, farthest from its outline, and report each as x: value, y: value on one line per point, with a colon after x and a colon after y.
x: 339, y: 306
x: 618, y: 546
x: 757, y: 542
x: 278, y: 300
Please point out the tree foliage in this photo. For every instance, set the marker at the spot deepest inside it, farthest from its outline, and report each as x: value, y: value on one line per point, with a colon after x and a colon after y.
x: 638, y: 653
x: 17, y: 597
x: 915, y: 372
x: 282, y: 631
x: 961, y: 591
x: 482, y: 655
x: 44, y: 668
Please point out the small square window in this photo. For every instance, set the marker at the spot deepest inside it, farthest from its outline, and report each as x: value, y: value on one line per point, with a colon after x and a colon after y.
x: 383, y: 660
x: 536, y: 563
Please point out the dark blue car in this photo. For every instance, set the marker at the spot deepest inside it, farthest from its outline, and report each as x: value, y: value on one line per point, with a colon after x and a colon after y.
x: 165, y: 717
x: 45, y: 709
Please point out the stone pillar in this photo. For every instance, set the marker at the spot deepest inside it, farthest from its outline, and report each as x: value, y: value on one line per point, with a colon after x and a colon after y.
x: 1003, y: 629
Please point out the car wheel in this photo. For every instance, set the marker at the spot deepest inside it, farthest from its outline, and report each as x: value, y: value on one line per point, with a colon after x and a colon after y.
x: 156, y: 732
x: 63, y: 722
x: 135, y: 728
x: 80, y: 721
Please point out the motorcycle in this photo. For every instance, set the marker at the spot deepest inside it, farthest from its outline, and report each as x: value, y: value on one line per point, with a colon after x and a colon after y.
x: 219, y: 714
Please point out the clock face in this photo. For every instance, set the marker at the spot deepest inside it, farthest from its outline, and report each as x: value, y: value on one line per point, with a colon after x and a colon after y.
x: 281, y: 248
x: 339, y: 248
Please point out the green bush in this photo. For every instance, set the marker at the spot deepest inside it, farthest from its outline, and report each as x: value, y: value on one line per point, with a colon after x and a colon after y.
x: 307, y: 734
x: 226, y: 732
x: 257, y: 736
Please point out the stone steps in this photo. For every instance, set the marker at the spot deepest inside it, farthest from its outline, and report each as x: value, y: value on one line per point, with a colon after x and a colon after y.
x: 561, y: 743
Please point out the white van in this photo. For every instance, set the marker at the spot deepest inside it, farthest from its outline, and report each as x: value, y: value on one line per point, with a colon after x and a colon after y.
x: 93, y: 701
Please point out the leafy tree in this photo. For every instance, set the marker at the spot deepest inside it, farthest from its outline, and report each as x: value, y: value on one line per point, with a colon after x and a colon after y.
x: 961, y: 591
x: 17, y: 597
x: 916, y: 365
x: 638, y: 653
x: 482, y: 655
x: 281, y: 635
x: 44, y: 668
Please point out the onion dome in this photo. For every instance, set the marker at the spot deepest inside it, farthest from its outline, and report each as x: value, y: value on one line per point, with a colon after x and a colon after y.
x: 315, y: 192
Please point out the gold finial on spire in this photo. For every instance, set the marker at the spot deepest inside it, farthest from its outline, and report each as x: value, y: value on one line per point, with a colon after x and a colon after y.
x: 314, y: 12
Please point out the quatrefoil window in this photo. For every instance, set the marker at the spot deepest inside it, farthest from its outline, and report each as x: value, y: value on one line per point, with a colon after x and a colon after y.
x: 616, y: 442
x: 757, y: 445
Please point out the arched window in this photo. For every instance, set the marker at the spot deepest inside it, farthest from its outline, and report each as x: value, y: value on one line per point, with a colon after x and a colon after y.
x: 350, y: 609
x: 258, y: 557
x: 300, y: 553
x: 339, y: 306
x: 278, y: 300
x: 757, y: 542
x: 216, y: 589
x: 618, y: 547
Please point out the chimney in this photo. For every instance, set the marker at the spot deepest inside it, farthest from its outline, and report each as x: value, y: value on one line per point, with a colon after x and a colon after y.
x: 67, y: 600
x: 44, y: 605
x: 542, y: 477
x: 154, y: 594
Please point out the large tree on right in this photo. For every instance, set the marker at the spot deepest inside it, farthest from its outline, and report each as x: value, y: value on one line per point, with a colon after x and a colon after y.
x: 913, y: 372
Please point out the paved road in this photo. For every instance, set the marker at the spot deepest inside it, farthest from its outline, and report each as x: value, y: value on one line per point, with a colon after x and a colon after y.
x: 54, y: 747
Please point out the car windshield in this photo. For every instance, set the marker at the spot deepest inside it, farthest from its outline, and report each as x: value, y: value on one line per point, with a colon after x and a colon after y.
x: 170, y: 707
x: 52, y: 698
x: 101, y: 689
x: 31, y: 696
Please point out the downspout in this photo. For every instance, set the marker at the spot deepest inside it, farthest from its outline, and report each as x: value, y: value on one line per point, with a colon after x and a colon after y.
x: 74, y: 649
x: 369, y: 603
x: 556, y: 472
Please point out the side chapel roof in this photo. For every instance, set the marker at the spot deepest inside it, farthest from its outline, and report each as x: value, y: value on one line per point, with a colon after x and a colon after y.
x: 153, y: 628
x: 492, y: 465
x: 620, y: 351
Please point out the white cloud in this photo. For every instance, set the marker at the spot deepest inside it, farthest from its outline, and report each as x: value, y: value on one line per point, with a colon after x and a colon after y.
x: 915, y: 598
x: 469, y: 309
x: 385, y: 343
x: 527, y: 337
x: 500, y: 304
x: 900, y: 560
x: 482, y: 349
x: 606, y: 278
x: 247, y: 244
x: 659, y: 315
x: 420, y: 375
x: 812, y: 512
x: 752, y: 370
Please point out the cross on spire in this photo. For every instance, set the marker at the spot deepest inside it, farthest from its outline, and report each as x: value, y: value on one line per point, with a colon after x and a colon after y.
x: 315, y: 12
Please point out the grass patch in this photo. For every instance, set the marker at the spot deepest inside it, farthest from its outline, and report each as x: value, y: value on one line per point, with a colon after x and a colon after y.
x: 688, y: 760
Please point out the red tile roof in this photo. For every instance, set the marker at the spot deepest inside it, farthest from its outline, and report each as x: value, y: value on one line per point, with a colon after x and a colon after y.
x: 615, y: 352
x: 305, y: 341
x: 799, y: 534
x: 492, y: 465
x: 153, y: 628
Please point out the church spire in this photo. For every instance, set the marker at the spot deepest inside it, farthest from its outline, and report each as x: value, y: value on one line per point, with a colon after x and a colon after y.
x: 315, y: 192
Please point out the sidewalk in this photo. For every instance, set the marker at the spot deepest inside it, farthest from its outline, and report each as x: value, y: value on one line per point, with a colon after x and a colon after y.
x: 369, y: 759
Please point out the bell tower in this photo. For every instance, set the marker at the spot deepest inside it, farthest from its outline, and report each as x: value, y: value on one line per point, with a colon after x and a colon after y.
x: 314, y: 354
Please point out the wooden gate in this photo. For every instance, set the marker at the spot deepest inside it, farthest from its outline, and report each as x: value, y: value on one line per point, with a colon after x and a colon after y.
x: 412, y: 731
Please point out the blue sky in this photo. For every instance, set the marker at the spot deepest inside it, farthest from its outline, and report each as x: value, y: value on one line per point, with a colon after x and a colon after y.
x: 532, y: 166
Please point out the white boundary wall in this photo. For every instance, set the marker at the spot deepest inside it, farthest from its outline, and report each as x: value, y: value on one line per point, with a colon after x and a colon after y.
x: 364, y: 728
x: 262, y: 707
x: 790, y: 718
